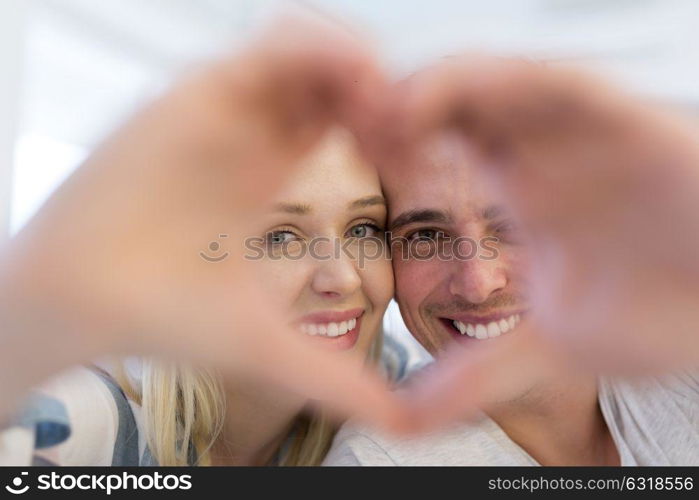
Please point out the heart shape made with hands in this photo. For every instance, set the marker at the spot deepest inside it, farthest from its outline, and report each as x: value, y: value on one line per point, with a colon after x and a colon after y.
x: 588, y: 171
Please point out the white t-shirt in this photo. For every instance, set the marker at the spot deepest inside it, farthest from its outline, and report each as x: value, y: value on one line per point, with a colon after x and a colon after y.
x: 79, y: 417
x: 82, y: 417
x: 653, y: 421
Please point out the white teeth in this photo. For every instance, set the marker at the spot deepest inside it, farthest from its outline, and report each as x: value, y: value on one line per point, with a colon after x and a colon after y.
x: 493, y: 330
x: 489, y: 331
x: 329, y: 329
x: 504, y: 326
x: 333, y: 330
x: 460, y: 326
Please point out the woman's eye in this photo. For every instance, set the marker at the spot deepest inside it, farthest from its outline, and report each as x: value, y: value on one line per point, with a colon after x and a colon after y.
x: 363, y: 231
x: 280, y: 237
x: 426, y: 235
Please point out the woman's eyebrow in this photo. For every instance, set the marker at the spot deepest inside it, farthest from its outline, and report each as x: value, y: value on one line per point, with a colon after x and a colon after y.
x: 367, y: 201
x: 293, y: 208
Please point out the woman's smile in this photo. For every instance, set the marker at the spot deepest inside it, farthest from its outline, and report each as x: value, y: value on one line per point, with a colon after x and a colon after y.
x: 339, y: 329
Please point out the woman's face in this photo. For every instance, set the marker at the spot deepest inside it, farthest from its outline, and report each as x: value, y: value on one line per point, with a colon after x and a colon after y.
x: 324, y: 254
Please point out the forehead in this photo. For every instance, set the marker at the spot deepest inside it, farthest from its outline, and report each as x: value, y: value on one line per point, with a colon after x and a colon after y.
x: 333, y: 171
x: 444, y: 178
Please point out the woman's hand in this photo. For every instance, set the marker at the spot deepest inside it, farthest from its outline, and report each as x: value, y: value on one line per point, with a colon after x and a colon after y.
x: 113, y: 262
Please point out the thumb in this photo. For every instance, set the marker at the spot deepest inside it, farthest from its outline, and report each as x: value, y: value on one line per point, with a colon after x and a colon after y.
x: 466, y: 379
x: 345, y: 385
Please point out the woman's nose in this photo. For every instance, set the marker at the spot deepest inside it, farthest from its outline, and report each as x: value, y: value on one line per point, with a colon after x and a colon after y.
x: 336, y: 277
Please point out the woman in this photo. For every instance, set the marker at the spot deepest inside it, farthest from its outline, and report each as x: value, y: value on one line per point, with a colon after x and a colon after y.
x: 306, y: 253
x: 113, y: 265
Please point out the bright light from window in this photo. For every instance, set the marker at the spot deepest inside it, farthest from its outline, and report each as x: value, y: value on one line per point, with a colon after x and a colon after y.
x: 41, y: 165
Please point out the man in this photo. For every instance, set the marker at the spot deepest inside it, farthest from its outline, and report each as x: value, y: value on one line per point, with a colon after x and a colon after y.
x: 450, y: 295
x: 248, y: 118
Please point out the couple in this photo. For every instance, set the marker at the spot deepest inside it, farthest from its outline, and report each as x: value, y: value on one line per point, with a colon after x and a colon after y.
x: 173, y: 413
x: 334, y: 196
x: 168, y: 414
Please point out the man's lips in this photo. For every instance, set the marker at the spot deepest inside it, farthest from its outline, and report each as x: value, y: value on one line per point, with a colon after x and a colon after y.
x: 482, y: 327
x: 484, y: 319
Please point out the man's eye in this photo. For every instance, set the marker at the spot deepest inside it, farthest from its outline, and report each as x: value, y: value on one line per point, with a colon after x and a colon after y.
x: 280, y: 237
x: 505, y: 227
x: 363, y: 231
x: 508, y: 231
x: 426, y: 235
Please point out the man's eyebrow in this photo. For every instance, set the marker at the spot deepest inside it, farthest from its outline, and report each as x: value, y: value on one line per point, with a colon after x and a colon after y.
x: 493, y: 212
x: 367, y: 201
x: 293, y: 208
x: 420, y: 215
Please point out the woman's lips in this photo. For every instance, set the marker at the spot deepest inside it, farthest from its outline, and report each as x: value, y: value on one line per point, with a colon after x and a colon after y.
x: 338, y: 329
x: 332, y: 316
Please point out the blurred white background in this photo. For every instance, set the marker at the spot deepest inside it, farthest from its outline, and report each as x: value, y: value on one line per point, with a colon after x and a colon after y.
x: 71, y: 70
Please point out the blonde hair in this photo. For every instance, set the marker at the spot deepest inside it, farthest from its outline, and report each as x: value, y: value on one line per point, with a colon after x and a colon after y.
x: 184, y: 411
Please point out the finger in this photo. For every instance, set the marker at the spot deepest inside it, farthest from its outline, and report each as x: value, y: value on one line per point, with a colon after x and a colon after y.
x: 244, y: 332
x: 535, y: 128
x: 465, y: 381
x: 344, y: 385
x: 343, y: 382
x: 309, y: 70
x: 492, y: 99
x: 259, y: 341
x: 508, y: 109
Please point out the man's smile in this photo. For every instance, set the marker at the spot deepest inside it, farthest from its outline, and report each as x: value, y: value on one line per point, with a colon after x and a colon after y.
x: 483, y: 327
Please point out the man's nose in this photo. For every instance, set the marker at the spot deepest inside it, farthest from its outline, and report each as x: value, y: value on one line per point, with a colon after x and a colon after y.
x: 476, y: 279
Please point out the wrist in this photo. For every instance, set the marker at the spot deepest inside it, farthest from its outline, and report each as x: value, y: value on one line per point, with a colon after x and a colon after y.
x: 40, y: 332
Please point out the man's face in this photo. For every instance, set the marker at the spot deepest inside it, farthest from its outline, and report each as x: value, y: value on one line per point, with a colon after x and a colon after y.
x: 458, y: 262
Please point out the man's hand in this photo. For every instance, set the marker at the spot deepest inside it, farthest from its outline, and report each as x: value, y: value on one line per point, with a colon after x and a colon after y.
x: 607, y: 191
